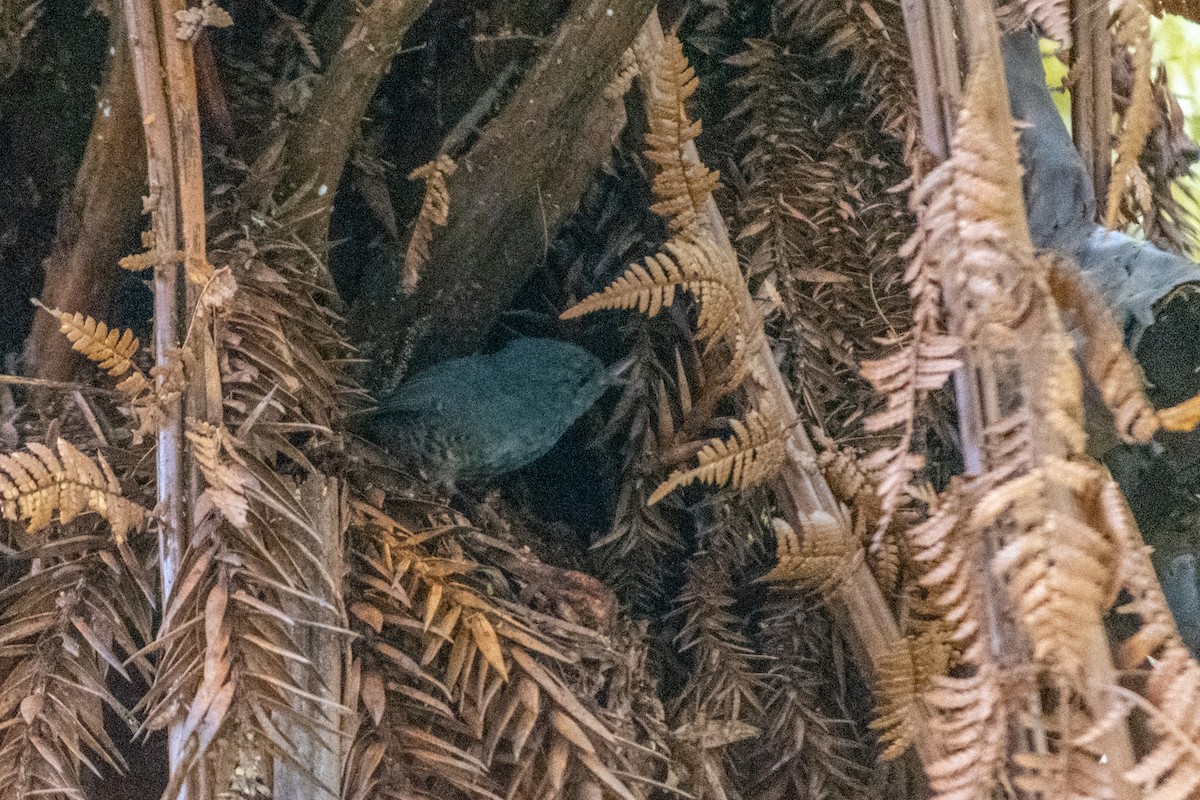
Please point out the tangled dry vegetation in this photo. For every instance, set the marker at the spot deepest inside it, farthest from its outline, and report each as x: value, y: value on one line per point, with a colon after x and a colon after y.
x: 842, y: 532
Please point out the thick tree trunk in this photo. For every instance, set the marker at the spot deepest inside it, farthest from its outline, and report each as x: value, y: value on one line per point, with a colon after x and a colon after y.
x: 96, y: 220
x: 518, y: 184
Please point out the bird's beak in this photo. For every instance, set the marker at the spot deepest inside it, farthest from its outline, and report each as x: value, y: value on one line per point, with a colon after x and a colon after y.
x: 619, y: 372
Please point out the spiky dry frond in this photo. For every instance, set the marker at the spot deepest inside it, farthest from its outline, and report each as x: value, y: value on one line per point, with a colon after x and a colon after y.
x: 452, y: 684
x: 64, y: 627
x: 283, y: 353
x: 872, y: 34
x: 435, y: 210
x: 681, y: 185
x: 809, y: 747
x: 1166, y: 162
x: 1172, y: 768
x: 136, y: 262
x: 695, y: 261
x: 703, y: 263
x: 725, y: 682
x: 752, y: 455
x: 36, y: 484
x: 642, y: 538
x: 822, y: 224
x: 719, y: 704
x: 114, y: 351
x: 1131, y: 30
x: 230, y: 659
x: 944, y: 553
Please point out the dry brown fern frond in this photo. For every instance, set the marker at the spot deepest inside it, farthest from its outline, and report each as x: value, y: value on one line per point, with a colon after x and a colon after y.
x: 1166, y: 162
x: 851, y: 483
x: 970, y: 720
x: 1053, y: 18
x: 622, y: 81
x: 1059, y: 570
x: 903, y: 675
x: 1073, y: 767
x: 1169, y: 677
x: 136, y: 262
x: 1111, y: 367
x: 873, y: 36
x: 227, y: 480
x: 818, y: 558
x: 112, y: 350
x: 1131, y: 31
x: 455, y: 684
x: 751, y: 456
x: 823, y: 224
x: 36, y: 484
x: 611, y: 229
x: 691, y: 264
x: 681, y: 186
x: 925, y: 361
x: 435, y: 210
x: 705, y: 266
x: 969, y: 714
x: 64, y: 627
x: 809, y: 745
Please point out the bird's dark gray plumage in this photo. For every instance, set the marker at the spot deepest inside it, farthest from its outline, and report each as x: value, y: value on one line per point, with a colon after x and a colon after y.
x: 481, y: 416
x: 1181, y: 587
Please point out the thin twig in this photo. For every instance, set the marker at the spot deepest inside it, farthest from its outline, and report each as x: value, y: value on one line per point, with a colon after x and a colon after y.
x: 1091, y: 93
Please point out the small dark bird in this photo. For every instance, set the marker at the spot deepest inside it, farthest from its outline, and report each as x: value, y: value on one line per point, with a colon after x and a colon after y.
x: 482, y: 416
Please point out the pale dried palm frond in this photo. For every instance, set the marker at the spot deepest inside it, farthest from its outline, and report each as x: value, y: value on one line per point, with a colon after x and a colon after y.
x: 65, y: 627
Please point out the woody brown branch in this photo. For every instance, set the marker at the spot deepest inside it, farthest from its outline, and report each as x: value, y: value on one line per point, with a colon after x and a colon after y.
x: 96, y: 220
x: 519, y: 183
x: 319, y: 143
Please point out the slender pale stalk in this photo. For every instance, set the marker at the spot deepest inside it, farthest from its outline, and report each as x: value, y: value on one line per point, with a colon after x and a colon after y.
x: 165, y: 79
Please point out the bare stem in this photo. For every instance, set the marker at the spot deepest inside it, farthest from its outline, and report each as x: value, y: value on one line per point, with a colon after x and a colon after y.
x: 165, y: 79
